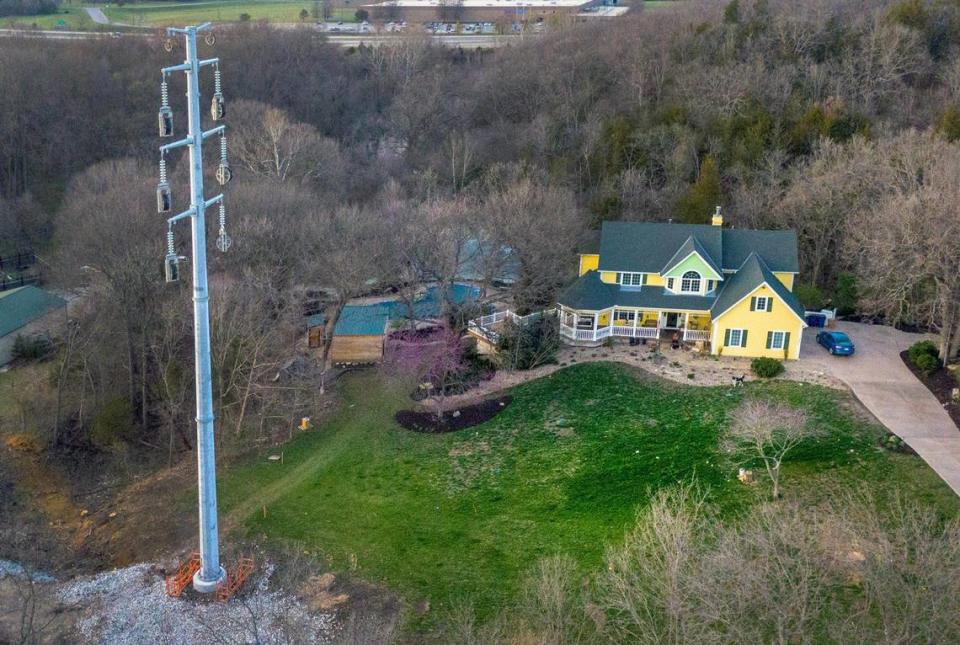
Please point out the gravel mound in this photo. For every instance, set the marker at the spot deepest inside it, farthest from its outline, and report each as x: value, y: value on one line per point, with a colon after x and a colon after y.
x: 130, y: 605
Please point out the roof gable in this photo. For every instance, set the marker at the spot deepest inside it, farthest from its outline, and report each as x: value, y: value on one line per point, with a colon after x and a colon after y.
x: 752, y: 274
x: 692, y: 256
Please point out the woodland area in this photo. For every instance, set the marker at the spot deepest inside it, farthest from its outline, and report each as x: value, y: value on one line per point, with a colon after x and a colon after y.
x: 838, y: 119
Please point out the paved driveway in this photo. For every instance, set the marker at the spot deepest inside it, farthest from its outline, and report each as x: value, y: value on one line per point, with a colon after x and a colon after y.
x: 97, y: 15
x: 881, y: 381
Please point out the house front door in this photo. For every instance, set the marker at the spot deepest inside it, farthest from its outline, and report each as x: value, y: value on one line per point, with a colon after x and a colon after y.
x: 673, y: 320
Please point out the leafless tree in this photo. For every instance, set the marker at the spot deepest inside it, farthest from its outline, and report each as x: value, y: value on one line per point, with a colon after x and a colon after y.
x: 107, y: 233
x: 647, y: 592
x: 267, y: 142
x: 345, y: 250
x: 905, y: 243
x: 767, y: 432
x: 516, y: 212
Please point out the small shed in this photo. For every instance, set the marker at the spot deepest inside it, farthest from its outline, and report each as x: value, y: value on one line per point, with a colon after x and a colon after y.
x: 361, y: 330
x: 30, y: 312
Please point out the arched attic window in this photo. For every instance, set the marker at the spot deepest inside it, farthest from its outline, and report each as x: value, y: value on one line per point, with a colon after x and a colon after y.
x: 690, y: 282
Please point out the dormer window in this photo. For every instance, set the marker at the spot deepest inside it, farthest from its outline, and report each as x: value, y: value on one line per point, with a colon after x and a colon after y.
x: 690, y: 282
x: 631, y: 279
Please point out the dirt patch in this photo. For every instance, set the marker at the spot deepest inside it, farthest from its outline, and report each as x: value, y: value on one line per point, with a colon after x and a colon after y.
x: 941, y: 384
x: 452, y: 420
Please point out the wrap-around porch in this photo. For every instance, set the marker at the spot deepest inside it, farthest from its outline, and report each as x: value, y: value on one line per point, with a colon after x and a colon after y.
x: 595, y: 326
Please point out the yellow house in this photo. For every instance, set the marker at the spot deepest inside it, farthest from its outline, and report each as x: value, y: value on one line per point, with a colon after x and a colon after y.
x: 729, y: 290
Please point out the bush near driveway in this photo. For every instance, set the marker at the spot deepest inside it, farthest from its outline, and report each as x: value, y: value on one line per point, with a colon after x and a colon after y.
x: 766, y: 367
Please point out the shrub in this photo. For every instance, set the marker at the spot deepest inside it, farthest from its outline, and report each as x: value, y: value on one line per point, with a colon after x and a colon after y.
x: 922, y: 347
x: 811, y: 296
x: 927, y: 364
x: 361, y: 15
x: 113, y: 423
x: 845, y: 295
x: 766, y: 367
x: 523, y: 347
x: 925, y: 356
x: 31, y: 349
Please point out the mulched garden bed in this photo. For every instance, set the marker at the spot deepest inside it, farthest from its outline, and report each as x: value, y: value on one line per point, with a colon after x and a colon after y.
x: 940, y: 383
x: 459, y: 419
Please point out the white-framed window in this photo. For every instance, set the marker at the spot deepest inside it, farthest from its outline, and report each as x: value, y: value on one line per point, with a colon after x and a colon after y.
x: 690, y: 282
x: 585, y: 321
x: 631, y: 279
x: 778, y: 340
x: 625, y: 316
x: 762, y: 303
x: 735, y: 338
x: 670, y: 283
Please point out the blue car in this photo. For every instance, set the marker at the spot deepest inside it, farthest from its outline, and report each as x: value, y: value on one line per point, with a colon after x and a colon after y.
x: 836, y: 342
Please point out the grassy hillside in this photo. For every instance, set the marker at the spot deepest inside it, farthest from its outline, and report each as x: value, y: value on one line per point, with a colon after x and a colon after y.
x: 562, y: 470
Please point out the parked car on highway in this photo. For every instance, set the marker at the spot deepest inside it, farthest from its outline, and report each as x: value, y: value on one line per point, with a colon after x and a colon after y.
x: 836, y: 342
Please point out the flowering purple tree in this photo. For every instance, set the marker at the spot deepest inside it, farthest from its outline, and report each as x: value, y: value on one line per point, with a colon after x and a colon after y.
x: 436, y: 357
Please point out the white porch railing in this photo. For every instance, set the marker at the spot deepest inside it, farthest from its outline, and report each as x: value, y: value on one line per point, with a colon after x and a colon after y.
x: 636, y: 332
x: 693, y: 335
x: 593, y: 335
x: 500, y: 316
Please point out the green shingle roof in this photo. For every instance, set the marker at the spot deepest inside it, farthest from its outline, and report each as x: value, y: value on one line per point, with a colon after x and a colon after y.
x: 648, y: 247
x: 23, y: 305
x: 591, y: 294
x: 751, y: 275
x: 778, y: 249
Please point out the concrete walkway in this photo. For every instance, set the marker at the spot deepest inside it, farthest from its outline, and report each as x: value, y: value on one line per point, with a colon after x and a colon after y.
x: 880, y: 380
x: 97, y: 15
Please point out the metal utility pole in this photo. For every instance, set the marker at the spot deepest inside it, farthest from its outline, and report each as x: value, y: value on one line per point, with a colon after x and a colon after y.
x: 211, y: 573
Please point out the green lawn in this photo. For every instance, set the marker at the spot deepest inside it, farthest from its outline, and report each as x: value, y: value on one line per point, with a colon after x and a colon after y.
x: 68, y: 17
x: 562, y: 470
x: 162, y: 14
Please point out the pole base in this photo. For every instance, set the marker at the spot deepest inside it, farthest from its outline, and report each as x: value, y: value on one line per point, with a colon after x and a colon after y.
x: 200, y: 585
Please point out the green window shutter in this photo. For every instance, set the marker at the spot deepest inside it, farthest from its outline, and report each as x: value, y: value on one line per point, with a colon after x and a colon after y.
x: 786, y: 343
x: 726, y: 338
x: 644, y: 279
x: 619, y: 278
x: 769, y: 304
x: 743, y: 338
x: 769, y: 339
x: 753, y: 304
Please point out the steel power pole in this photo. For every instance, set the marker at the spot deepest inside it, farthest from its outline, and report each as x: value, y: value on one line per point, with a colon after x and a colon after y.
x: 211, y: 573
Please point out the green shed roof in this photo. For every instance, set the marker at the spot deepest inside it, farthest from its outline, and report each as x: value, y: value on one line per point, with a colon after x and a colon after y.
x: 23, y: 305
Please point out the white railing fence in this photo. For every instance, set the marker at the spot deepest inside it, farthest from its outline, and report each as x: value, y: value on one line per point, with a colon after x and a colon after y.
x: 500, y: 316
x: 693, y: 335
x: 591, y: 335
